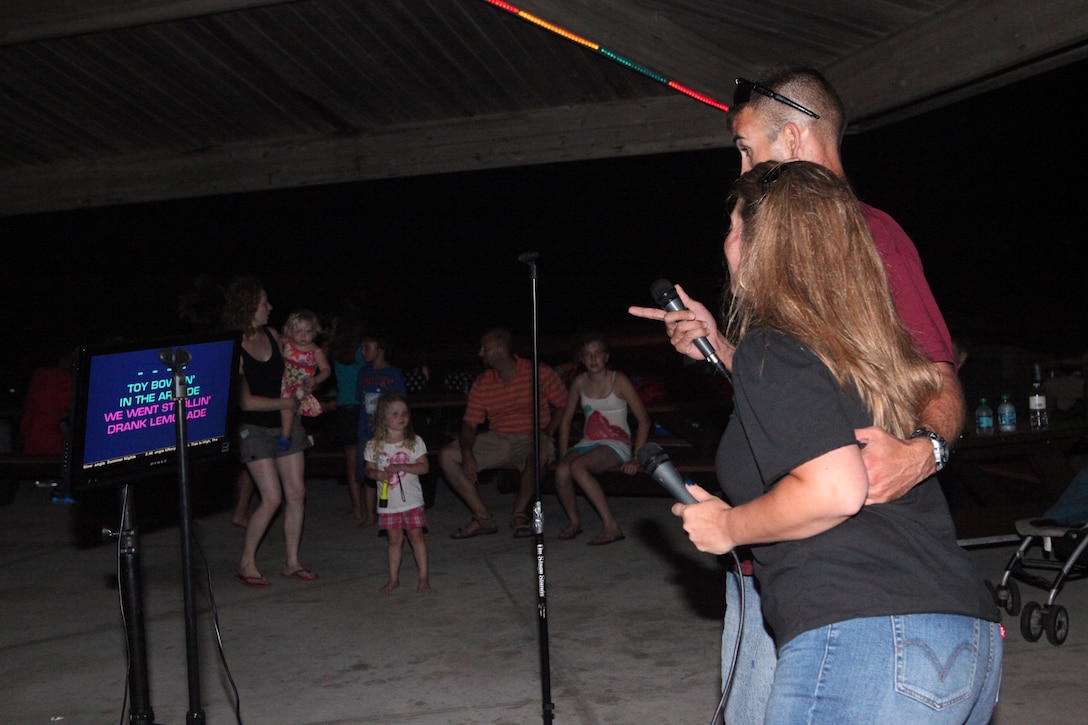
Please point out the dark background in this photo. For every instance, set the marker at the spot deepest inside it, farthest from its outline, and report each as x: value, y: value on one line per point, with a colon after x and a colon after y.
x: 989, y: 189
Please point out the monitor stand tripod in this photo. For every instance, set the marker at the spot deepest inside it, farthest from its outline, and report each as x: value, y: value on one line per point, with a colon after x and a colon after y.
x: 128, y: 560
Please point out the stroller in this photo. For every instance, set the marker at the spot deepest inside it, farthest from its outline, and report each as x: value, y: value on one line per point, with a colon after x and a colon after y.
x: 1062, y: 536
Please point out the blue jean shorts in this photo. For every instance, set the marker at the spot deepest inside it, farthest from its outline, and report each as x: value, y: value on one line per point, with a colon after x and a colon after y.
x: 918, y: 668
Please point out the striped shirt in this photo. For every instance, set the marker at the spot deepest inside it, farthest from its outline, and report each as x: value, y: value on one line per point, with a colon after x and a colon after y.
x: 508, y: 406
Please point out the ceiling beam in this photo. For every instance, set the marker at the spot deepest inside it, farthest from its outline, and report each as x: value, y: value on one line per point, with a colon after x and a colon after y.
x: 24, y: 21
x: 649, y: 126
x: 908, y: 74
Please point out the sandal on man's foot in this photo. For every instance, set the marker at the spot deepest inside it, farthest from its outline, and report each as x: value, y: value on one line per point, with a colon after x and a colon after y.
x: 522, y: 526
x: 603, y: 538
x: 483, y: 525
x: 569, y: 533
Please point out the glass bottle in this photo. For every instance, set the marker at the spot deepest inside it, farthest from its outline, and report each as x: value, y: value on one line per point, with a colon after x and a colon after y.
x: 1037, y: 401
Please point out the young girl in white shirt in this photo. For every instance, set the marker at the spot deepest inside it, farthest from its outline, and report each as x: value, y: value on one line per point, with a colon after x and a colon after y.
x: 396, y: 457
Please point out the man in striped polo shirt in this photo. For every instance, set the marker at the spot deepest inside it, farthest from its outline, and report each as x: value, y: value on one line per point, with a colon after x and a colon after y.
x: 502, y: 396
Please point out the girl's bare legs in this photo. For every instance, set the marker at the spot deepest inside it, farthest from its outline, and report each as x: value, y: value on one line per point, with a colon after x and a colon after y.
x: 370, y: 496
x: 564, y: 491
x: 419, y: 551
x: 351, y: 457
x: 396, y: 546
x: 598, y: 460
x: 287, y: 420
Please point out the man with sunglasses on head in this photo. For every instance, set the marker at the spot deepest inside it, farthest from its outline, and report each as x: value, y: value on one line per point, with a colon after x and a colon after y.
x: 796, y: 114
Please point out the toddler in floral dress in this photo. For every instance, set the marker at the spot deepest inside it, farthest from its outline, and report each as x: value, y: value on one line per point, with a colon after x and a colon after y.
x: 305, y: 367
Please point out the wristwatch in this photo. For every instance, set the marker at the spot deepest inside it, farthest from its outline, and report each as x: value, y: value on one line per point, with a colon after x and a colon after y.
x: 940, y: 445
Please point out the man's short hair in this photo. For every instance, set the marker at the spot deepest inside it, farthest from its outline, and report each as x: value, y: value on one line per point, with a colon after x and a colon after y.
x: 806, y: 86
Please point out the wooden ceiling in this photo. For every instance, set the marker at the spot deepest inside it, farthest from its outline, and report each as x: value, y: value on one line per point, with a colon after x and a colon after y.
x: 112, y: 101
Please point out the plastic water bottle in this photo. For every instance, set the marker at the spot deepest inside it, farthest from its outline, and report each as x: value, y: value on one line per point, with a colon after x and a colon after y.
x: 1037, y: 402
x: 1006, y: 415
x: 984, y: 419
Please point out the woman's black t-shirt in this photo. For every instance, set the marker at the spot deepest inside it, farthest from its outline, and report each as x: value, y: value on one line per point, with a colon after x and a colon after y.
x: 894, y: 558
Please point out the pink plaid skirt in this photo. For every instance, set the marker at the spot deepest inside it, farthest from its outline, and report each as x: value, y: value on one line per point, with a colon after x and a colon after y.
x: 407, y: 520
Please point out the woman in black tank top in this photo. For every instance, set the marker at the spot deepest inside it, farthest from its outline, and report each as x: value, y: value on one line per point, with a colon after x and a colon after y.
x: 279, y: 476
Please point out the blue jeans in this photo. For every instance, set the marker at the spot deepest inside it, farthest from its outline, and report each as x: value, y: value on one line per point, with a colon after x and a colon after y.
x: 932, y: 668
x: 751, y: 686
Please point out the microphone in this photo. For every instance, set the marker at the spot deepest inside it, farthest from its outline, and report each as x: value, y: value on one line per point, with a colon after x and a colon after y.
x: 528, y: 257
x: 175, y: 358
x: 665, y: 296
x: 655, y: 461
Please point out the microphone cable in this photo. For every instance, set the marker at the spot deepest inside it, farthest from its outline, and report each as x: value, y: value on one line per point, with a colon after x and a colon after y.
x: 218, y: 632
x: 653, y: 460
x: 727, y: 686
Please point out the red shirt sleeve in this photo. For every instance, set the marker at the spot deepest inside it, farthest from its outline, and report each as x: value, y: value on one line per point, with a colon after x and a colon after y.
x: 913, y: 298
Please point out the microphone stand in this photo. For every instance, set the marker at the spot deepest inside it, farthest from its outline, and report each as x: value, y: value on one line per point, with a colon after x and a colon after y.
x: 530, y: 258
x: 128, y: 548
x: 176, y: 360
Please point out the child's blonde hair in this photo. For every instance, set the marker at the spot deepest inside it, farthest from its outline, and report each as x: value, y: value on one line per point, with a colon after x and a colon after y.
x: 381, y: 429
x: 298, y: 318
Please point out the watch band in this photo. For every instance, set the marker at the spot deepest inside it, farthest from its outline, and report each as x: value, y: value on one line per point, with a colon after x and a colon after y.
x: 940, y: 446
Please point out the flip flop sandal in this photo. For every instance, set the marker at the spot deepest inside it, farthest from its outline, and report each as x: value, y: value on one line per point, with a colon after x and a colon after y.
x: 484, y: 525
x: 303, y: 575
x: 521, y: 530
x: 256, y: 582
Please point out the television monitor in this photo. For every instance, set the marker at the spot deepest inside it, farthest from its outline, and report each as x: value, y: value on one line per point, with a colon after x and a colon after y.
x: 123, y: 426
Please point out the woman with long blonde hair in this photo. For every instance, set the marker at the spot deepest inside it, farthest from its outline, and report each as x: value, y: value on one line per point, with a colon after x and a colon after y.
x: 877, y: 614
x: 828, y: 290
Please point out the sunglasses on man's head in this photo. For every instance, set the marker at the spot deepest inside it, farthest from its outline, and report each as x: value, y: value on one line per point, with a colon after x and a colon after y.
x: 743, y: 93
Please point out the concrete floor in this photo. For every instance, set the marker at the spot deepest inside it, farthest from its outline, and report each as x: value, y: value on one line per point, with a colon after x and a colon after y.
x: 633, y: 628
